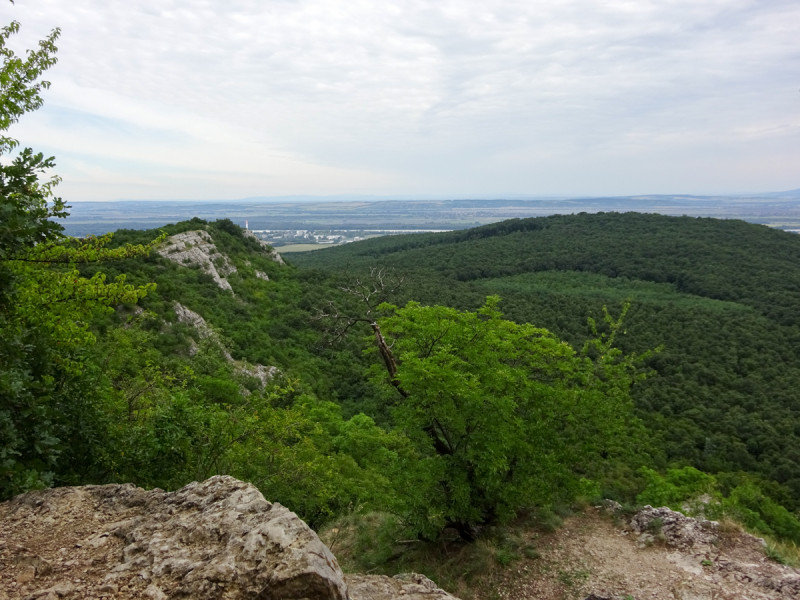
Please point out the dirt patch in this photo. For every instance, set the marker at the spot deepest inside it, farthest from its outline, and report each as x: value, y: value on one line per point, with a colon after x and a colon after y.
x: 591, y: 556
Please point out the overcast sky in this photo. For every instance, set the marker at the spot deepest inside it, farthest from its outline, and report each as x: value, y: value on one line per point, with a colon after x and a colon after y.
x: 195, y: 99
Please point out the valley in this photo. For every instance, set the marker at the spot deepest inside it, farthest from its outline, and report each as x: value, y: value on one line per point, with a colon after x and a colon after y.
x: 429, y: 386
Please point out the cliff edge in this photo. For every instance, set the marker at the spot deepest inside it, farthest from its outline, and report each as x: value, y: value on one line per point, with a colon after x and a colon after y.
x: 217, y: 539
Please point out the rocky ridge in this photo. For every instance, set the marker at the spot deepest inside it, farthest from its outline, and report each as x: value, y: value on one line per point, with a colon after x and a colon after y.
x: 204, y: 331
x: 275, y: 255
x: 197, y: 249
x: 220, y: 539
x: 657, y: 554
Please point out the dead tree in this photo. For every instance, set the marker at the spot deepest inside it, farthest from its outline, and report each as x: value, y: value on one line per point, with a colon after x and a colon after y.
x: 370, y: 292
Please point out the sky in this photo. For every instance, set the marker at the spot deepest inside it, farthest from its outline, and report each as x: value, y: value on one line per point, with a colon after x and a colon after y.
x: 210, y: 100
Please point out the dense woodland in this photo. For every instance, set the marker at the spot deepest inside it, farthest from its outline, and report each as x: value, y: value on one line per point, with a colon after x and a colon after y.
x: 717, y: 297
x: 445, y: 382
x: 587, y: 386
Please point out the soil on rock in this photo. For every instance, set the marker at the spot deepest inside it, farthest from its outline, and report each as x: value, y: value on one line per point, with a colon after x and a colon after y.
x: 218, y: 539
x: 221, y: 539
x: 658, y: 555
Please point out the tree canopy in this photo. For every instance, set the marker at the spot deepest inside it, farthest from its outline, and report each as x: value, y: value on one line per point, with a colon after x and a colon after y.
x: 505, y: 415
x: 46, y: 305
x: 720, y: 296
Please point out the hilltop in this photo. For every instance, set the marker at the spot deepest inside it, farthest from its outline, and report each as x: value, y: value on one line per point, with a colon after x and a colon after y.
x: 718, y: 296
x: 221, y: 539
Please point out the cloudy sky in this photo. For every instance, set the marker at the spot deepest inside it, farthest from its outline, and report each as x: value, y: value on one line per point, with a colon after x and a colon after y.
x: 196, y: 99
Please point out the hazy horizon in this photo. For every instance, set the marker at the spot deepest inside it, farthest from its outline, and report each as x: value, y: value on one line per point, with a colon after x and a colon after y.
x: 202, y: 100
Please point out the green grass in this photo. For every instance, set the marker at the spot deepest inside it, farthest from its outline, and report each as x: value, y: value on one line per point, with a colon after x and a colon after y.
x: 374, y: 543
x: 783, y: 552
x: 289, y: 248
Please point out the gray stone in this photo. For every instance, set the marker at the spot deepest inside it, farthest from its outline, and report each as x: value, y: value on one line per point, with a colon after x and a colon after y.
x: 674, y: 528
x: 218, y: 539
x: 408, y: 586
x: 197, y: 249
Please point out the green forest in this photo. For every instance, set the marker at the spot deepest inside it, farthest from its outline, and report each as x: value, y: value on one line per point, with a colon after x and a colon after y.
x: 717, y: 298
x: 448, y: 382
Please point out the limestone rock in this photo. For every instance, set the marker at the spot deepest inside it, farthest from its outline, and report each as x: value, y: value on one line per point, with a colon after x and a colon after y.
x: 204, y: 331
x: 696, y: 547
x: 193, y: 319
x: 260, y: 372
x: 673, y: 527
x: 408, y: 586
x: 266, y: 247
x: 197, y: 249
x: 219, y: 539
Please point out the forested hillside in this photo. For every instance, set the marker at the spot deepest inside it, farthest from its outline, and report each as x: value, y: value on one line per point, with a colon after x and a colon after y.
x: 336, y: 394
x: 719, y: 297
x: 427, y: 387
x: 225, y: 365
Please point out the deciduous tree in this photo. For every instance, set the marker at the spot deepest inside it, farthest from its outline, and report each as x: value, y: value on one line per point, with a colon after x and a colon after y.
x: 505, y: 415
x: 45, y: 304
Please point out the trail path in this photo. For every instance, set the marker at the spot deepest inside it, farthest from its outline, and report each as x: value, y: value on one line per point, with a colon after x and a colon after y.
x: 593, y: 555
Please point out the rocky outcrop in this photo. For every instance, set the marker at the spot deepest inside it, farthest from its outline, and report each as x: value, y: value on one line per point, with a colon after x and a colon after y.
x: 204, y: 331
x: 597, y: 556
x: 266, y: 247
x: 193, y: 319
x: 215, y: 539
x: 260, y: 372
x: 673, y: 528
x: 197, y: 249
x: 722, y: 560
x: 408, y: 586
x: 218, y: 539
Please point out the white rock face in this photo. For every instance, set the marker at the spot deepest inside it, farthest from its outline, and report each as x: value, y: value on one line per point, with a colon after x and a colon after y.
x: 189, y: 317
x: 195, y: 320
x: 275, y: 256
x: 407, y: 586
x: 260, y: 372
x: 196, y: 248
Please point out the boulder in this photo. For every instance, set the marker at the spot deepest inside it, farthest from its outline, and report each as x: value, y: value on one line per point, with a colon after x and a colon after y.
x: 197, y: 249
x: 219, y: 539
x: 673, y: 528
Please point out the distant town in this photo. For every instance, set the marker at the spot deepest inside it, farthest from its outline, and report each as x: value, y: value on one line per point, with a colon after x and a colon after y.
x: 319, y: 223
x: 299, y: 240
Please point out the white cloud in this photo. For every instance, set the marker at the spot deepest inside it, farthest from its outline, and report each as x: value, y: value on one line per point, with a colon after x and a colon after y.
x: 187, y: 98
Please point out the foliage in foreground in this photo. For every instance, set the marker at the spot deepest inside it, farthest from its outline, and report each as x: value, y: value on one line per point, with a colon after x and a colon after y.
x: 46, y: 306
x: 505, y: 416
